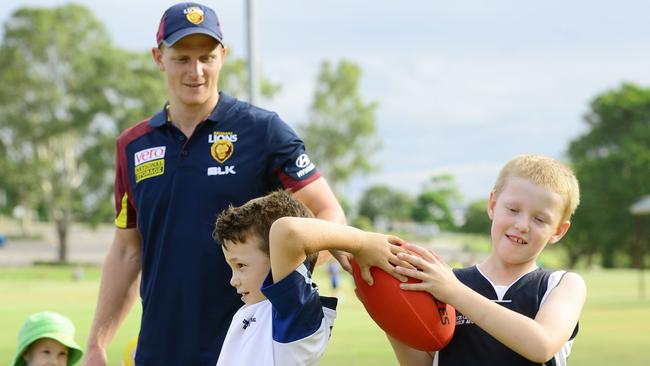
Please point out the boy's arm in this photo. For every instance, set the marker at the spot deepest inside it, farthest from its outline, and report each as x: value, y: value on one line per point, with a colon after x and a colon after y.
x: 322, y: 202
x: 118, y: 290
x: 409, y: 356
x: 536, y: 339
x: 292, y: 238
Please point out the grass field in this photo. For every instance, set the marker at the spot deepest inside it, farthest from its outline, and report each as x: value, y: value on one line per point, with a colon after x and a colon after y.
x: 614, y: 327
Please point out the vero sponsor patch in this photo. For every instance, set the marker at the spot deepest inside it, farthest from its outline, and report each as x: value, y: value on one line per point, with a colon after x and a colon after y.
x: 152, y: 153
x: 149, y: 163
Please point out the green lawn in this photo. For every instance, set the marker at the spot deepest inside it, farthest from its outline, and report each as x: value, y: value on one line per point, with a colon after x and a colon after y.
x: 614, y: 328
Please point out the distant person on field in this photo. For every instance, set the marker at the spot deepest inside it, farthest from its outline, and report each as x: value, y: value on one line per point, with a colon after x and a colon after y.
x: 271, y: 244
x: 47, y: 339
x: 509, y: 311
x: 333, y: 270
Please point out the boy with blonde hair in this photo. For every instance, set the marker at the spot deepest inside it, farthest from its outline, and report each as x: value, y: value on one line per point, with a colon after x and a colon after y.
x: 509, y: 311
x: 271, y: 243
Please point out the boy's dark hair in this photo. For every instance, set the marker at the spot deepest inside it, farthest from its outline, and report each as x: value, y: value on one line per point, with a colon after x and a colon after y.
x: 255, y: 218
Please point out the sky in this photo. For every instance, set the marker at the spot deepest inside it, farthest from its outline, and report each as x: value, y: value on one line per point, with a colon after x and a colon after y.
x: 462, y: 86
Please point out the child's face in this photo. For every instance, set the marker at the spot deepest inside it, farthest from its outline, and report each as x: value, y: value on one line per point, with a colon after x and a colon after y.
x: 525, y: 217
x: 46, y: 352
x: 250, y: 266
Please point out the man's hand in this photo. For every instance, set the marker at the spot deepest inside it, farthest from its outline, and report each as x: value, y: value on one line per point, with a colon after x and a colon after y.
x: 95, y: 356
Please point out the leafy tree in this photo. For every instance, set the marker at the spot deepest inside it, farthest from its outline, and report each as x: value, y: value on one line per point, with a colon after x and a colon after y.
x: 233, y: 77
x: 611, y: 161
x: 65, y: 94
x: 381, y: 200
x: 53, y: 67
x: 340, y: 134
x: 477, y: 220
x: 434, y: 204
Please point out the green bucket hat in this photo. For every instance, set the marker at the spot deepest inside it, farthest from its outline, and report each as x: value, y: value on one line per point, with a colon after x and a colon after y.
x: 48, y: 325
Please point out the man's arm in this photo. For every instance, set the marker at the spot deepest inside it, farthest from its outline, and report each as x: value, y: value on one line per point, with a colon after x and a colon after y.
x: 322, y: 202
x: 291, y: 239
x: 117, y: 292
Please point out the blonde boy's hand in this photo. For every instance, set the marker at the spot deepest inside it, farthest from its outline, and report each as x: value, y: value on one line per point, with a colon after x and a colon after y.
x: 437, y: 277
x: 380, y: 250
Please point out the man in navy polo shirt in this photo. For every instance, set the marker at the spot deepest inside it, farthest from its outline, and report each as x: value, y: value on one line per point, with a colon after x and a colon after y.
x: 175, y: 172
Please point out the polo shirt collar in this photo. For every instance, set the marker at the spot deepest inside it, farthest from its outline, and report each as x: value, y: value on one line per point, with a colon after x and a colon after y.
x: 224, y: 105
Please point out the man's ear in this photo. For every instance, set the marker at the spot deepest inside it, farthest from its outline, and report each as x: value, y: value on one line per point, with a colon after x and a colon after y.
x: 562, y: 229
x: 156, y: 54
x: 491, y: 203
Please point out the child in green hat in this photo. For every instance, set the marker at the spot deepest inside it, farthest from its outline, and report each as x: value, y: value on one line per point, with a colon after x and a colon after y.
x: 47, y: 338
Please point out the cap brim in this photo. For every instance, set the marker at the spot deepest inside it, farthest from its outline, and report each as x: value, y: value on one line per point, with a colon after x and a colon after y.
x: 176, y: 36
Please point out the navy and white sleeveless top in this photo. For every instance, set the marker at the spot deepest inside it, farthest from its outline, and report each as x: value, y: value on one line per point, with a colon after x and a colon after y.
x: 471, y: 345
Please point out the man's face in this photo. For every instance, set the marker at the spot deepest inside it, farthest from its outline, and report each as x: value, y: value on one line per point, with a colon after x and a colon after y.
x: 192, y: 68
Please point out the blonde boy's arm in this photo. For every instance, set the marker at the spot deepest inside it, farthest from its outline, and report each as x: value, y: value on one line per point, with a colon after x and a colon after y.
x: 535, y: 339
x: 292, y: 238
x: 117, y: 292
x: 408, y: 356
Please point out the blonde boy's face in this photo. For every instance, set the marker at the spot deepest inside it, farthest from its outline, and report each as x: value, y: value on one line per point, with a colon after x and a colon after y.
x: 250, y: 266
x: 525, y: 217
x: 46, y: 352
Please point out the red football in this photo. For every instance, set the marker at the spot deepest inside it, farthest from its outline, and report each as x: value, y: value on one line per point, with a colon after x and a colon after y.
x: 415, y: 318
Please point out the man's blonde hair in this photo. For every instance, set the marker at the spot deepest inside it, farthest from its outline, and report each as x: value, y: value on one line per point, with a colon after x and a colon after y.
x: 546, y: 172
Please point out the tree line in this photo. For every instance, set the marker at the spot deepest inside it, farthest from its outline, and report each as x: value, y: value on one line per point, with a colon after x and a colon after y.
x: 66, y: 92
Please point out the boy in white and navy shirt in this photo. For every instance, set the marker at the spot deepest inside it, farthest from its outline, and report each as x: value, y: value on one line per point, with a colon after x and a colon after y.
x: 271, y: 244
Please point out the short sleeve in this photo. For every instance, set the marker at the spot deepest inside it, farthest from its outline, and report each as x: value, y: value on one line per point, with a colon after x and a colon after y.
x: 290, y: 165
x: 297, y: 308
x: 125, y: 212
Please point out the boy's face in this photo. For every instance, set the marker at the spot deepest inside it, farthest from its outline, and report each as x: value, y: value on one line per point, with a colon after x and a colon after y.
x: 46, y: 352
x: 525, y: 217
x: 250, y: 266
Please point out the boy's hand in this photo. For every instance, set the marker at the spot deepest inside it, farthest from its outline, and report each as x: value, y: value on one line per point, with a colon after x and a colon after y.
x: 379, y: 250
x: 437, y: 277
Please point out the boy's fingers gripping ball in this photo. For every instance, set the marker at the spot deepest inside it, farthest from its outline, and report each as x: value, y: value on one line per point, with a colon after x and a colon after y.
x: 414, y: 318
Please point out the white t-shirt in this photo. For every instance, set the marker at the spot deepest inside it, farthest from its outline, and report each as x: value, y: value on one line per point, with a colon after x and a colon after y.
x: 291, y: 327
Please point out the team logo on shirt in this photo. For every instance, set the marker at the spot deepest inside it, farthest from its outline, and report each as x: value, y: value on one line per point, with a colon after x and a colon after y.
x: 194, y: 14
x: 222, y: 147
x: 221, y: 150
x: 247, y: 322
x: 149, y: 162
x: 305, y: 164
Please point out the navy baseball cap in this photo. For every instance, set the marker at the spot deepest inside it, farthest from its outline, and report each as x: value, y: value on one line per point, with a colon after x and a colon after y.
x: 184, y: 19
